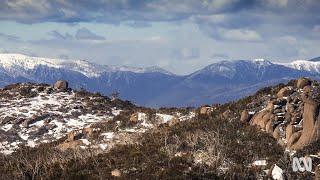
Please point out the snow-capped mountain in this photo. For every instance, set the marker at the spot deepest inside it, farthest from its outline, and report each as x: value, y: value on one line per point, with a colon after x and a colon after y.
x: 219, y: 82
x: 17, y: 64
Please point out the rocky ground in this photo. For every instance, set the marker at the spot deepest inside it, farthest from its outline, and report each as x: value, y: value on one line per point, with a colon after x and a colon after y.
x: 54, y: 132
x: 34, y: 114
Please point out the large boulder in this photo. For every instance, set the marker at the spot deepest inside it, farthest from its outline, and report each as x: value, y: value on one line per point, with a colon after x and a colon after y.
x: 302, y: 82
x: 293, y: 139
x: 227, y: 114
x: 61, y: 85
x: 307, y: 89
x: 261, y: 118
x: 284, y: 92
x: 276, y: 133
x: 290, y: 108
x: 290, y: 129
x: 269, y: 126
x: 266, y: 118
x: 245, y: 116
x: 73, y: 135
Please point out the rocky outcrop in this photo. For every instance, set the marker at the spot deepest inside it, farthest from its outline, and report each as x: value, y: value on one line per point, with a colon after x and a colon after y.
x: 310, y: 127
x: 291, y: 116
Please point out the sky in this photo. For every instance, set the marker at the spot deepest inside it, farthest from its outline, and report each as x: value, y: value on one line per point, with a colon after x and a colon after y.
x: 178, y: 35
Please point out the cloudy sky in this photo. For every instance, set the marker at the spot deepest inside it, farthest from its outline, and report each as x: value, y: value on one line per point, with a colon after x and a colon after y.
x: 178, y: 35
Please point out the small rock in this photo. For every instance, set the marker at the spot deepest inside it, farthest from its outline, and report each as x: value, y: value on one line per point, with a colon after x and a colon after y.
x: 116, y: 173
x: 134, y: 118
x: 174, y: 121
x: 70, y: 145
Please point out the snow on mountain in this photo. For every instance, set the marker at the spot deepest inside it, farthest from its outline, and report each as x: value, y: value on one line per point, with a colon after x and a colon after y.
x: 304, y: 65
x: 231, y: 69
x: 18, y: 64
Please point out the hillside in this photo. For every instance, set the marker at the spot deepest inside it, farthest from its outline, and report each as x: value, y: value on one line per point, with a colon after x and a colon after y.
x: 220, y: 82
x: 57, y: 132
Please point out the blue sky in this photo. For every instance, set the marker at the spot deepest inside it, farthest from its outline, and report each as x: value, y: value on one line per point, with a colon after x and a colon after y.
x: 178, y: 35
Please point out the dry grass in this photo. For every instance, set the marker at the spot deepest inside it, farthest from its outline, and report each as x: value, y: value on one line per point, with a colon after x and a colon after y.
x: 40, y: 163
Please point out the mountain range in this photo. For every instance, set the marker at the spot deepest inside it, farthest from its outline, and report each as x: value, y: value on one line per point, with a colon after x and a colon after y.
x: 153, y: 86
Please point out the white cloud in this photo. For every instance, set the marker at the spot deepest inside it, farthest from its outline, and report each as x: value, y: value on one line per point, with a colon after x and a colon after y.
x: 86, y: 34
x: 186, y: 53
x: 277, y: 3
x: 288, y: 39
x: 239, y: 35
x: 220, y: 4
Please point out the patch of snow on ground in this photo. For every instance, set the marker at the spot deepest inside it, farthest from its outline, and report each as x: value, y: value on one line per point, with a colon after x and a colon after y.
x: 277, y: 173
x: 142, y: 116
x: 103, y: 146
x: 108, y: 135
x: 116, y: 111
x: 165, y: 117
x: 31, y: 143
x: 260, y: 163
x: 7, y: 127
x: 85, y: 141
x: 252, y: 112
x: 59, y: 106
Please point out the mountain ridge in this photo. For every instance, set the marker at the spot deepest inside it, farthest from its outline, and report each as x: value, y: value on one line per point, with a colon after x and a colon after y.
x: 155, y: 87
x: 89, y: 69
